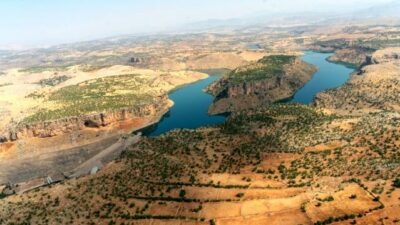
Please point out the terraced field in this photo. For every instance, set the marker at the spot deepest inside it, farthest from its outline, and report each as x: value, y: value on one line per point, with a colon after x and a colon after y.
x: 241, y: 172
x: 334, y: 163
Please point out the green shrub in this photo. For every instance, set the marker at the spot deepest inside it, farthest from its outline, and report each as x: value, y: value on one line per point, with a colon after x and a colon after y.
x: 240, y: 195
x: 396, y: 183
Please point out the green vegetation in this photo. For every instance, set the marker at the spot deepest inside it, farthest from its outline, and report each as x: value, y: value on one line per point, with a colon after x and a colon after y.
x: 165, y: 169
x: 240, y: 195
x: 279, y: 146
x: 53, y: 81
x: 380, y: 43
x: 368, y: 44
x: 214, y: 71
x: 182, y: 193
x: 396, y: 183
x: 267, y: 67
x: 2, y: 195
x: 327, y: 199
x: 96, y: 96
x: 331, y: 219
x: 335, y: 43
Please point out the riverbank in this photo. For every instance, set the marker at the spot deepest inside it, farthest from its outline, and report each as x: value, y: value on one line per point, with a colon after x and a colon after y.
x: 192, y: 112
x: 187, y: 108
x: 264, y: 82
x: 190, y: 109
x: 36, y: 149
x: 329, y: 75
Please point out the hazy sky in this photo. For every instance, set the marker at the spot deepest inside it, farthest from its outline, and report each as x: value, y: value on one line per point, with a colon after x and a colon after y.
x: 46, y: 22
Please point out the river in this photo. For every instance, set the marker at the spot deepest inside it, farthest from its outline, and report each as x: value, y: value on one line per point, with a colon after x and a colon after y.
x: 191, y: 102
x: 329, y: 75
x: 190, y: 108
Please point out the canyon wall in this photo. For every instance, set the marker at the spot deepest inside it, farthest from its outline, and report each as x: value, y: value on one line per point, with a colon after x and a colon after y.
x: 71, y: 124
x: 353, y: 56
x: 232, y: 96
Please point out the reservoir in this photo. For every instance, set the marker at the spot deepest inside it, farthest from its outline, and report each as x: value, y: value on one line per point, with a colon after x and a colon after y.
x: 191, y: 102
x: 190, y: 108
x: 329, y: 75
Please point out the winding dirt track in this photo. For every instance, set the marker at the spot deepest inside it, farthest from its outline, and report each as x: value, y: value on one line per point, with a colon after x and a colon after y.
x: 98, y: 160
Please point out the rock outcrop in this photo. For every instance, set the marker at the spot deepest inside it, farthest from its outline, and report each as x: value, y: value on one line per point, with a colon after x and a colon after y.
x: 67, y: 125
x: 271, y: 79
x: 353, y: 56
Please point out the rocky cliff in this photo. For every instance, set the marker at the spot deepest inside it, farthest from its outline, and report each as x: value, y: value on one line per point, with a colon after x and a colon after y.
x: 271, y: 79
x: 71, y: 124
x: 353, y: 56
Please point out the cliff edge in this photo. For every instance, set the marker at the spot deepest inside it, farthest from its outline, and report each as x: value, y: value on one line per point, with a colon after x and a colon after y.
x: 270, y: 79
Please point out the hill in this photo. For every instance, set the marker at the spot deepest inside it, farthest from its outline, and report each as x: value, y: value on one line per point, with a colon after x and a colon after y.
x: 272, y: 78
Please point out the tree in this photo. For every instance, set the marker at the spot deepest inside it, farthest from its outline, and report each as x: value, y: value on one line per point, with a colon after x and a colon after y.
x: 396, y: 183
x: 182, y: 193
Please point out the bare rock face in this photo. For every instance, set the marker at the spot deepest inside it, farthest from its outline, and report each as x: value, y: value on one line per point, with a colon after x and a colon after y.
x: 232, y: 95
x: 354, y: 56
x: 67, y: 125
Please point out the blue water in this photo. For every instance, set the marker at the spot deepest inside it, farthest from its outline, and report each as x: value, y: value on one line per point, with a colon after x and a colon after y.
x: 329, y: 75
x: 254, y: 46
x: 191, y: 102
x: 190, y: 108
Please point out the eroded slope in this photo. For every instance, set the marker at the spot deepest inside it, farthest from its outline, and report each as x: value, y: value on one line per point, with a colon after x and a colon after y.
x: 263, y: 166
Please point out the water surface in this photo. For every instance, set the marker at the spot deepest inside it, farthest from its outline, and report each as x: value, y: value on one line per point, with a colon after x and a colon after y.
x: 191, y: 102
x: 329, y: 75
x: 254, y: 46
x: 190, y: 108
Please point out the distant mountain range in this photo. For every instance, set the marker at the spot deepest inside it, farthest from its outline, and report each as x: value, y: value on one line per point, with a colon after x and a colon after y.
x: 391, y: 9
x: 260, y: 20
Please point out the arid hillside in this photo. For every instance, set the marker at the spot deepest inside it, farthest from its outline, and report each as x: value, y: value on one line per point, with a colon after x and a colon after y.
x: 334, y: 162
x: 263, y: 166
x: 65, y: 116
x: 277, y: 164
x: 375, y: 87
